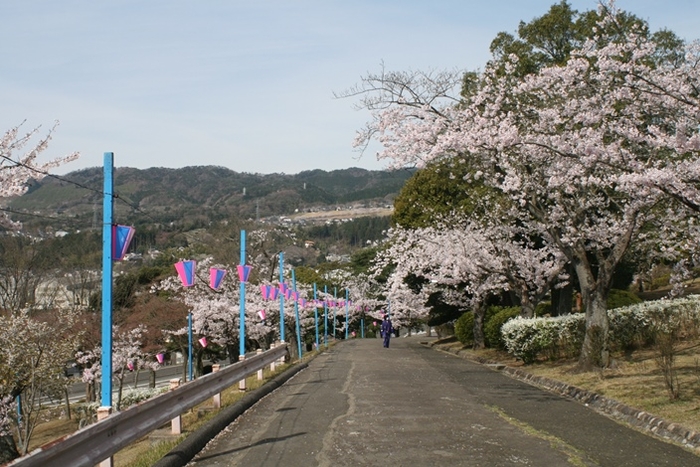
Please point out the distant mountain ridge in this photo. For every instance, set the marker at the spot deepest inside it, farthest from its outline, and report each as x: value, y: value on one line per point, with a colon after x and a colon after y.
x: 206, y: 193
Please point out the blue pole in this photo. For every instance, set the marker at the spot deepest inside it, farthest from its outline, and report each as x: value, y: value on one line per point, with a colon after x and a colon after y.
x: 362, y: 326
x: 335, y: 299
x: 190, y: 373
x: 107, y: 240
x: 241, y: 328
x: 316, y: 316
x: 281, y: 297
x: 347, y: 321
x: 325, y: 315
x: 296, y: 313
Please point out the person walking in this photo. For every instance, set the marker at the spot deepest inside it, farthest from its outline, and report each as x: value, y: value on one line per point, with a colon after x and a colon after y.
x: 386, y: 330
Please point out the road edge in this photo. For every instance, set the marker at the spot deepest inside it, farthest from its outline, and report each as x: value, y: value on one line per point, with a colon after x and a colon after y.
x: 185, y: 451
x: 644, y: 421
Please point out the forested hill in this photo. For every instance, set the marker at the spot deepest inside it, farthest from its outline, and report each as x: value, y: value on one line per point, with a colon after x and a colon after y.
x: 205, y: 193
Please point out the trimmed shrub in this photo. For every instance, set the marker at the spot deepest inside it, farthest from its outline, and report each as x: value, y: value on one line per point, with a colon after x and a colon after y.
x: 619, y: 298
x: 492, y: 328
x: 543, y: 308
x: 464, y: 328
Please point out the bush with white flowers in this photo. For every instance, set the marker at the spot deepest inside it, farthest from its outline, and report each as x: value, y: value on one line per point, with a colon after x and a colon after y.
x: 631, y: 326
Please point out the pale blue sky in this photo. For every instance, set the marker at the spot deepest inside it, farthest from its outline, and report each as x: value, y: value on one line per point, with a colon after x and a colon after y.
x: 244, y: 85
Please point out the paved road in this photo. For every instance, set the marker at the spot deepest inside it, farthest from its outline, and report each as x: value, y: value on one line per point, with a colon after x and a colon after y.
x: 361, y: 405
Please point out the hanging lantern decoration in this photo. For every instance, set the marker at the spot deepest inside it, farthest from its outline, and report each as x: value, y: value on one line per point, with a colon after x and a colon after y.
x: 185, y: 270
x: 130, y: 366
x: 160, y: 357
x: 244, y: 272
x: 288, y: 293
x: 274, y: 293
x: 203, y: 342
x: 261, y: 313
x: 216, y: 277
x: 265, y: 291
x: 121, y: 238
x: 303, y: 303
x: 283, y: 288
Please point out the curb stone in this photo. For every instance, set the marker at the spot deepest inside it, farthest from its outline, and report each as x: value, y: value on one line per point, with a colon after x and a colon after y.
x: 185, y: 451
x: 645, y: 421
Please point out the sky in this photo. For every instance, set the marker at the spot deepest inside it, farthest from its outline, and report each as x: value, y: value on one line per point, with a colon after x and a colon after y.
x: 244, y: 85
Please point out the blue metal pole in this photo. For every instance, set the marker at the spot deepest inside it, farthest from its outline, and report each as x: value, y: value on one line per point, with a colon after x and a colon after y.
x: 347, y: 315
x: 296, y: 313
x: 190, y: 373
x: 107, y: 240
x: 325, y: 315
x: 316, y: 316
x: 281, y: 297
x: 241, y: 328
x: 335, y: 302
x: 362, y: 326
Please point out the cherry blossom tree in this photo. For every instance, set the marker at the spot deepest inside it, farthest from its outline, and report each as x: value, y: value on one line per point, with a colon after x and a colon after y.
x: 33, y: 356
x: 585, y: 151
x: 16, y: 170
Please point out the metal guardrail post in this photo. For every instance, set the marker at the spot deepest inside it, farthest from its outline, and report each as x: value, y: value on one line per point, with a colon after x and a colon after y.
x: 241, y: 383
x: 260, y: 371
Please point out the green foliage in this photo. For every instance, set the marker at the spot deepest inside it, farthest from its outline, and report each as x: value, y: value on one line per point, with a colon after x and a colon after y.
x: 492, y: 327
x: 621, y: 298
x: 441, y: 189
x: 543, y: 309
x: 464, y: 328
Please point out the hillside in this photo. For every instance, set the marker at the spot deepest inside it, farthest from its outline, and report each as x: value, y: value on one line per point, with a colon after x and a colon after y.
x: 201, y: 194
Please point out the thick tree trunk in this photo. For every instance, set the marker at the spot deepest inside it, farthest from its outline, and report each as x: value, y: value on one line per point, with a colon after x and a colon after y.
x: 479, y: 339
x: 595, y: 352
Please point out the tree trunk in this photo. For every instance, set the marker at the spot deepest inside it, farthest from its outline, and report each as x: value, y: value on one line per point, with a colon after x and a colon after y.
x: 595, y: 352
x: 479, y: 339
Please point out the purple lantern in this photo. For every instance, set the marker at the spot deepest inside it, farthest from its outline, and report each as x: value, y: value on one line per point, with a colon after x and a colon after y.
x: 121, y: 238
x: 160, y: 357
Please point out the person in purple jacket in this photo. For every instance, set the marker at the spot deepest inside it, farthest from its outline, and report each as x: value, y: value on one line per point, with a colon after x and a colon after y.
x: 386, y: 330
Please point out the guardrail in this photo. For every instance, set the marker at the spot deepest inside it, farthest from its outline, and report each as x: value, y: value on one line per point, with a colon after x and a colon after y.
x: 92, y: 444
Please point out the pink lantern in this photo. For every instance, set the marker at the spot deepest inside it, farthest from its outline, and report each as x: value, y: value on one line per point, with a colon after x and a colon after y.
x: 244, y: 272
x: 374, y: 323
x: 261, y: 313
x: 130, y: 366
x: 353, y: 334
x: 274, y: 292
x: 185, y: 270
x: 203, y: 342
x: 216, y: 277
x: 160, y: 357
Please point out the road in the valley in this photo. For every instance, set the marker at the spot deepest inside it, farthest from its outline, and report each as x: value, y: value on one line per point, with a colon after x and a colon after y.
x: 360, y: 405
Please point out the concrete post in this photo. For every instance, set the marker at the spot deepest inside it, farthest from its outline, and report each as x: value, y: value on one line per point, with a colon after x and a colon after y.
x: 241, y: 383
x: 216, y: 399
x: 260, y: 371
x: 272, y: 365
x: 102, y: 413
x: 175, y: 423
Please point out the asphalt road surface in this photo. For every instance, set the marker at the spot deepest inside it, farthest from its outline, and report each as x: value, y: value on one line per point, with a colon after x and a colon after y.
x: 360, y: 404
